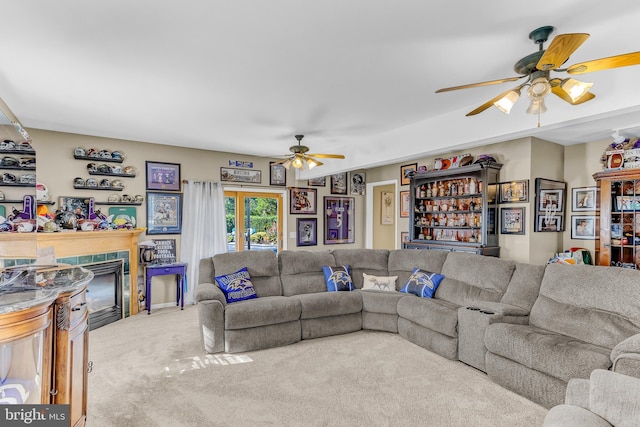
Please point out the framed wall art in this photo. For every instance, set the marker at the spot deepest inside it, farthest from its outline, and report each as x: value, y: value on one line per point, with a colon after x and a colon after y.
x: 307, y: 232
x: 549, y: 203
x: 404, y: 237
x: 512, y: 221
x: 164, y: 213
x: 317, y: 182
x: 77, y: 205
x: 583, y: 227
x: 339, y: 220
x: 405, y: 204
x: 339, y: 183
x: 163, y: 176
x: 302, y: 201
x: 405, y: 173
x: 514, y: 191
x: 387, y: 208
x: 277, y: 174
x: 584, y: 199
x: 240, y: 175
x: 358, y: 183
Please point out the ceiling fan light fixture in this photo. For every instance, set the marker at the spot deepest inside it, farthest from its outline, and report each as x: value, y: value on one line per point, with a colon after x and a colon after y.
x: 297, y: 162
x: 505, y: 104
x: 539, y: 88
x: 575, y: 88
x: 537, y: 106
x: 312, y: 163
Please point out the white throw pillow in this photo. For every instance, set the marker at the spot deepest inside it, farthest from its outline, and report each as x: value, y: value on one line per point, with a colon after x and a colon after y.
x: 379, y: 282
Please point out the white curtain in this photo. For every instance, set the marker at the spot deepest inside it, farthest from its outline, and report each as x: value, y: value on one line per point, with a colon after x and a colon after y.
x: 204, y: 229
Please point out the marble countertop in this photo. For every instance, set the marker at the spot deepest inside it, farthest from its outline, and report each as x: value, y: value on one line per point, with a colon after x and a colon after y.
x: 31, y: 285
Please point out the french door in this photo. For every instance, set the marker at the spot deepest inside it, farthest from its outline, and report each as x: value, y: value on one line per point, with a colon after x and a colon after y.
x: 254, y: 221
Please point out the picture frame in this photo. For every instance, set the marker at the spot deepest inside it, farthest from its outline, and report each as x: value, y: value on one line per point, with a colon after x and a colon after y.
x: 549, y: 205
x: 512, y: 221
x: 277, y: 174
x: 250, y: 176
x: 514, y: 191
x: 162, y: 176
x: 358, y: 183
x: 164, y: 213
x: 77, y: 205
x: 584, y: 199
x: 404, y: 237
x: 317, y: 182
x: 387, y: 208
x: 406, y: 171
x: 303, y: 201
x: 339, y: 183
x: 583, y: 227
x: 339, y: 220
x: 405, y: 204
x: 306, y: 232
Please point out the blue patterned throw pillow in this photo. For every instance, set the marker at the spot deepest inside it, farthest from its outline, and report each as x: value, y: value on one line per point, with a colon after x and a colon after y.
x: 422, y: 283
x: 338, y: 278
x: 237, y: 286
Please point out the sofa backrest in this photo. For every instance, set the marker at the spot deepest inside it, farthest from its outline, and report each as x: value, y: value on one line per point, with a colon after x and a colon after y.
x: 471, y: 277
x: 524, y: 286
x: 402, y: 262
x: 370, y: 261
x: 261, y: 265
x: 595, y: 304
x: 301, y: 271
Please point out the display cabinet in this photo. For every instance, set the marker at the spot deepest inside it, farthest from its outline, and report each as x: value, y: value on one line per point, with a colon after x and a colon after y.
x: 618, y: 231
x: 455, y: 209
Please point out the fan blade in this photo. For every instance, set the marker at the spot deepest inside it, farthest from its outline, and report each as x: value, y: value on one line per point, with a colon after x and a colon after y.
x: 282, y: 161
x: 488, y: 104
x: 488, y: 83
x: 557, y: 90
x: 616, y: 61
x: 327, y: 156
x: 561, y: 47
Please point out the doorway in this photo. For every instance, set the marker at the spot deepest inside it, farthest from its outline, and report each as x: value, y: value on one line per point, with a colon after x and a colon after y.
x: 254, y: 221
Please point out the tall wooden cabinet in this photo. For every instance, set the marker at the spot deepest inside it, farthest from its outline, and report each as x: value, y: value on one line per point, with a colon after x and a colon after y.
x: 618, y: 239
x: 455, y: 209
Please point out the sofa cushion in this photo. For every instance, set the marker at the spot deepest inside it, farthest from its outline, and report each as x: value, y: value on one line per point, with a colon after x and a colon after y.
x: 596, y: 304
x: 262, y: 267
x: 556, y: 355
x: 422, y: 283
x: 301, y: 271
x: 385, y: 302
x: 236, y: 286
x: 370, y: 261
x: 434, y: 314
x: 338, y: 278
x: 380, y: 283
x: 327, y: 304
x: 402, y: 262
x: 471, y: 277
x: 261, y: 312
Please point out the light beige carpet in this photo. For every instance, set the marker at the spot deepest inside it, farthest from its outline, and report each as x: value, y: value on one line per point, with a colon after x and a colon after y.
x: 151, y: 371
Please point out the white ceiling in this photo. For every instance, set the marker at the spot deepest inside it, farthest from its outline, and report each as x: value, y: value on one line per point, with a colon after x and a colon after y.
x: 357, y: 77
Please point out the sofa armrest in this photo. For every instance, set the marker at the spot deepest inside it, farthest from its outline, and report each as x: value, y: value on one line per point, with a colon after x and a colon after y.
x: 209, y: 291
x: 577, y: 393
x: 572, y: 416
x: 500, y: 309
x: 626, y: 357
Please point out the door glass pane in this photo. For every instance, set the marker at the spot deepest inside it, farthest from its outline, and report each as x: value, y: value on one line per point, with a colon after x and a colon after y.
x: 230, y: 213
x: 261, y: 223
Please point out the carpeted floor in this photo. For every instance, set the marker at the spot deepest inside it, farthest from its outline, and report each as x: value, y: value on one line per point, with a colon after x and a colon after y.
x: 151, y: 371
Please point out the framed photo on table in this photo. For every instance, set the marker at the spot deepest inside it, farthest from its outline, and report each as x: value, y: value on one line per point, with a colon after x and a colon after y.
x: 163, y: 176
x: 339, y: 220
x: 302, y: 201
x: 164, y: 213
x: 307, y: 232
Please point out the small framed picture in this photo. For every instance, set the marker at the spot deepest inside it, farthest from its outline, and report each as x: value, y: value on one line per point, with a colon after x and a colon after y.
x: 358, y: 183
x: 512, y: 221
x: 550, y: 223
x: 583, y: 227
x: 405, y: 204
x: 277, y: 174
x: 302, y: 201
x: 339, y: 183
x: 307, y: 231
x: 406, y: 171
x: 163, y: 176
x: 404, y: 237
x: 584, y: 199
x: 164, y: 213
x: 514, y: 192
x: 387, y: 208
x: 317, y: 182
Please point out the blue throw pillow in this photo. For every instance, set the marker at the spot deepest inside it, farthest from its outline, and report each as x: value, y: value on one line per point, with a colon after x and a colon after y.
x: 338, y: 278
x: 237, y: 286
x: 422, y: 283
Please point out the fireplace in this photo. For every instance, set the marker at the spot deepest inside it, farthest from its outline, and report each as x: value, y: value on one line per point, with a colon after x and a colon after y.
x: 104, y: 293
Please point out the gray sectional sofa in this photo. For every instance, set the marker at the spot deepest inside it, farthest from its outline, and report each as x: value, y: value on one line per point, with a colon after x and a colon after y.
x: 530, y: 328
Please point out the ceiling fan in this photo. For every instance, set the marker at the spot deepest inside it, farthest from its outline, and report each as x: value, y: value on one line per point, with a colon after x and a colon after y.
x: 301, y: 159
x: 537, y: 67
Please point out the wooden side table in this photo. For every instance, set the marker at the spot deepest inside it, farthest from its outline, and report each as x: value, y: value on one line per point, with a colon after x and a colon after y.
x: 177, y: 268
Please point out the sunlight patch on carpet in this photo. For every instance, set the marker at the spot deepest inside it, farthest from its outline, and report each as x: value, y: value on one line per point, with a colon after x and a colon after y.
x: 180, y: 366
